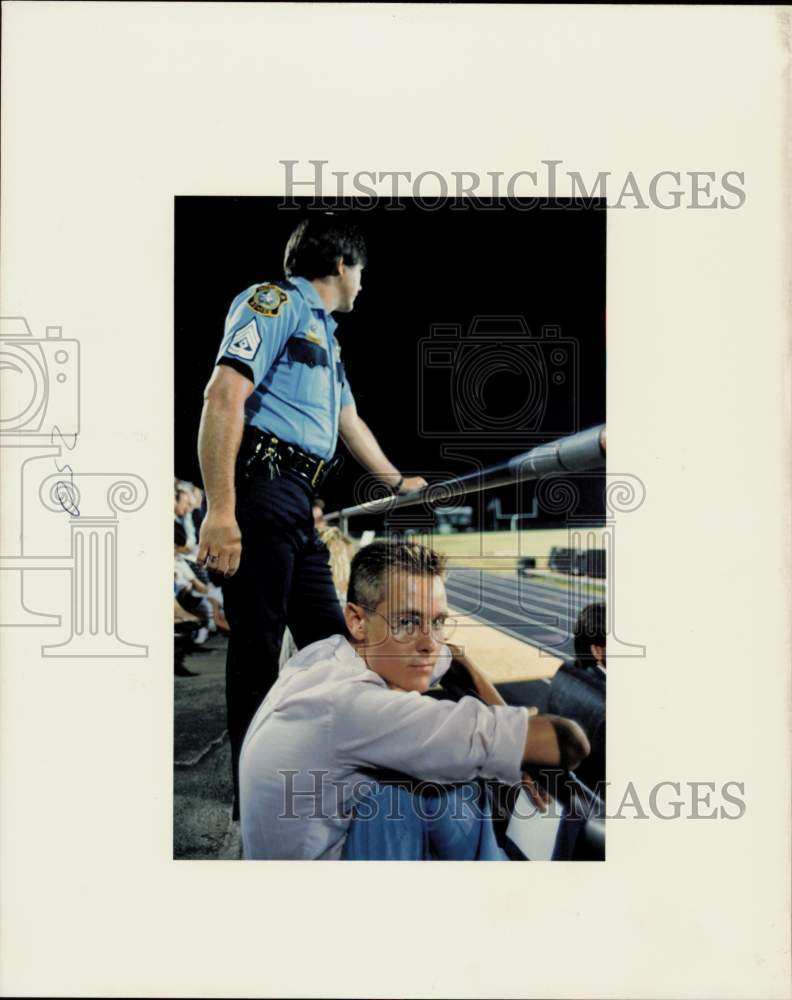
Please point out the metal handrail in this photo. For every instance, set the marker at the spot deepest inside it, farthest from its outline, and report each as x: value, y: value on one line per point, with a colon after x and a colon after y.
x: 581, y: 452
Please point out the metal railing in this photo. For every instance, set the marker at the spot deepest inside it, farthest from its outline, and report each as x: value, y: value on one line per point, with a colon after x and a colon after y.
x: 581, y: 452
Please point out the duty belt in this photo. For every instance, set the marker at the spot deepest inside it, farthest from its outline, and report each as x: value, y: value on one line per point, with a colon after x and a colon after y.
x: 262, y: 452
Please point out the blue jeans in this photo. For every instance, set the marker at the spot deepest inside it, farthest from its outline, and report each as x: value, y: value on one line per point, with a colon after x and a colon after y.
x: 433, y: 823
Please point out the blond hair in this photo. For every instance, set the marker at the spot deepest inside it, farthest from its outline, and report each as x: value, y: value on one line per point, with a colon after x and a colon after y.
x: 341, y: 550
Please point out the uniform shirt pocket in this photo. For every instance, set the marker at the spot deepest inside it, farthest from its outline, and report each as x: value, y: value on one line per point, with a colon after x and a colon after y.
x: 309, y: 369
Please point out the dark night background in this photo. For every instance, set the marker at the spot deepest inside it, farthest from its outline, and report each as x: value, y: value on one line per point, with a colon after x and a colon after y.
x: 434, y: 414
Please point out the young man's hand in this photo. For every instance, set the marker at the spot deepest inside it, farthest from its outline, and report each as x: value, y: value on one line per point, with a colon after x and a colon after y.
x: 554, y: 741
x: 537, y: 795
x: 483, y: 685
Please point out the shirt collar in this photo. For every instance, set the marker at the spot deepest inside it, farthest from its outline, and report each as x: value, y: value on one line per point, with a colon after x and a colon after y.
x: 346, y: 653
x: 309, y: 293
x: 314, y: 300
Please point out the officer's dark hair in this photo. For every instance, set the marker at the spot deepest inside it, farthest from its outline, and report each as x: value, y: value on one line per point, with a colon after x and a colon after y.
x: 589, y: 631
x: 371, y: 565
x: 316, y: 244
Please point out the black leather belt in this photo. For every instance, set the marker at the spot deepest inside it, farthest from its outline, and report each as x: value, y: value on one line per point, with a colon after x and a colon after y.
x: 263, y: 453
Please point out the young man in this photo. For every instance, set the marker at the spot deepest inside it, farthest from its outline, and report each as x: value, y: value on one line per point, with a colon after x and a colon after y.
x: 273, y: 410
x: 343, y: 706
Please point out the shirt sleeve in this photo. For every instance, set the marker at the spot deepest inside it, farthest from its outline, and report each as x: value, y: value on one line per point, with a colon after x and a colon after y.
x: 429, y: 739
x: 255, y: 336
x: 347, y: 399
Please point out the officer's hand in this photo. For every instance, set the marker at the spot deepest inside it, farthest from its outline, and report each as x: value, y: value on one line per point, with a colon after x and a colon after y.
x: 413, y: 483
x: 220, y: 543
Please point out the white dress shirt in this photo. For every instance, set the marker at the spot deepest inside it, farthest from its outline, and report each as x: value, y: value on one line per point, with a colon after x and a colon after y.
x: 327, y: 717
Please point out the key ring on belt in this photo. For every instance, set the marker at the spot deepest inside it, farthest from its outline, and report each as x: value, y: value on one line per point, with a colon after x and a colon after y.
x: 319, y: 468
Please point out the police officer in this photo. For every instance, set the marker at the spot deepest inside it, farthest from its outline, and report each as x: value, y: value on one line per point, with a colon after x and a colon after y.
x: 273, y: 409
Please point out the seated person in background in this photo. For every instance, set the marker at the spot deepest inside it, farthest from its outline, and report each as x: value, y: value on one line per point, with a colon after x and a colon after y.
x: 590, y: 640
x: 578, y: 689
x: 345, y: 705
x: 185, y: 540
x: 182, y: 505
x: 199, y: 509
x: 190, y: 595
x: 185, y: 626
x: 341, y: 549
x: 317, y: 511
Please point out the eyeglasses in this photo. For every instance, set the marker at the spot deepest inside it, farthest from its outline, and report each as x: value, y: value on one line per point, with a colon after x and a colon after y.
x: 404, y: 627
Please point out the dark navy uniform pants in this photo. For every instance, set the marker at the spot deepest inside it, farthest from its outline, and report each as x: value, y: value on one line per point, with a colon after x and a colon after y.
x: 283, y: 579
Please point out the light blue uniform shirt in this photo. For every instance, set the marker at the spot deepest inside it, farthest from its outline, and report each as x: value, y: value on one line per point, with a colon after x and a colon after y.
x: 281, y: 337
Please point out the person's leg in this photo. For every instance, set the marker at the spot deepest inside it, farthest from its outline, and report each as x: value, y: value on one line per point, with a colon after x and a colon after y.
x: 270, y: 514
x: 386, y: 826
x: 314, y: 609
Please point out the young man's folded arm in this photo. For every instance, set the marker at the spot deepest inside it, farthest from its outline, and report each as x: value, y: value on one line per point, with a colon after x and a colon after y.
x: 448, y: 741
x: 431, y: 740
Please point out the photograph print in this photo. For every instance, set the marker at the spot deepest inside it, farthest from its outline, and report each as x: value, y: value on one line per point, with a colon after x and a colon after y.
x: 391, y: 541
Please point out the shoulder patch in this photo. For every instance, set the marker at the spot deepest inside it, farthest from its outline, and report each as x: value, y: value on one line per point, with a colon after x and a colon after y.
x: 267, y: 300
x: 245, y: 342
